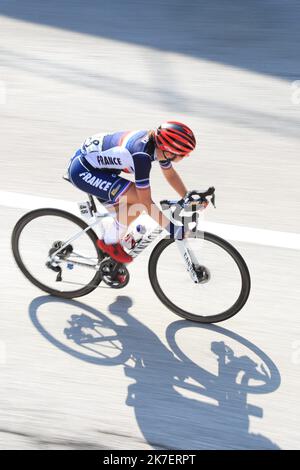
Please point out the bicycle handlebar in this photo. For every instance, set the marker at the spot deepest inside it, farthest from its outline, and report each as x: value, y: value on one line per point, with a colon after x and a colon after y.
x: 202, y: 195
x: 189, y: 198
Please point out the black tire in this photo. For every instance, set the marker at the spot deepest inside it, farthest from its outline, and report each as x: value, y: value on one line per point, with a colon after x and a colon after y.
x: 27, y: 218
x: 233, y: 310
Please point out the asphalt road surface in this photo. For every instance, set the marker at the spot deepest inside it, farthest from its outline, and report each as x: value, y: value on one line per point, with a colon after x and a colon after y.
x: 116, y: 369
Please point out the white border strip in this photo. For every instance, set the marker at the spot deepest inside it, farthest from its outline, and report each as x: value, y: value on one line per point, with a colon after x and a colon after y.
x: 230, y: 232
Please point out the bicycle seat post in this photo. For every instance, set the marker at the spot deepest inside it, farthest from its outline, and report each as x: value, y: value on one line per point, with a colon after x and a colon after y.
x: 92, y: 203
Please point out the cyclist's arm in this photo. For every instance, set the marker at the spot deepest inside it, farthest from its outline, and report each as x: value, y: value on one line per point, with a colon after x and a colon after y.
x: 144, y: 198
x: 142, y: 165
x: 174, y: 180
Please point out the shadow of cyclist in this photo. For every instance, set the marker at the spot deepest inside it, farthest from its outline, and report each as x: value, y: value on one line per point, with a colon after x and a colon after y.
x: 170, y: 418
x: 177, y: 403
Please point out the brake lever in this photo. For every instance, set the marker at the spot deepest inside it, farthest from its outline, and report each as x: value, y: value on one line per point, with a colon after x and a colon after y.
x: 188, y: 200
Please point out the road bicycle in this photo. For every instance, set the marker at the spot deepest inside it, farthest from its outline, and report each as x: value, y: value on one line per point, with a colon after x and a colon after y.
x: 200, y: 277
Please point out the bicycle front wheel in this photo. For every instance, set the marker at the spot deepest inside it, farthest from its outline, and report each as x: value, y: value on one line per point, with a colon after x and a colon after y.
x: 39, y: 234
x: 216, y: 299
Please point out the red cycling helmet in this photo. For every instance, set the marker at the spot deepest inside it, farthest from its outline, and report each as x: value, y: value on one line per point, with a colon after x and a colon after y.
x: 175, y: 137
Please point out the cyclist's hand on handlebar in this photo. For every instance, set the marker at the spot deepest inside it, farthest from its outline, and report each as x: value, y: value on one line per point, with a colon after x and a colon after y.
x: 193, y: 197
x: 204, y: 204
x: 199, y: 198
x: 188, y: 195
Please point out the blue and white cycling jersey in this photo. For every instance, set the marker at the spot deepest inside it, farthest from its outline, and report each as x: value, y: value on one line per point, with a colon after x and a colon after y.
x: 129, y: 151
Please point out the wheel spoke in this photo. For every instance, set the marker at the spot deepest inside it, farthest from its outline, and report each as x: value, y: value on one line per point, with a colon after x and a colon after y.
x: 37, y: 239
x: 223, y: 279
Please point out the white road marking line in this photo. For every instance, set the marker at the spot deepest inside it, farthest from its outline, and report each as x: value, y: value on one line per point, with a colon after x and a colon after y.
x: 26, y: 201
x: 231, y: 232
x: 257, y: 236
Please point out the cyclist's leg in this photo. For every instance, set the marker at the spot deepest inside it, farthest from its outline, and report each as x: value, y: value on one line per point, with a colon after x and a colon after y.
x: 106, y: 185
x: 127, y: 208
x: 117, y: 194
x: 109, y: 188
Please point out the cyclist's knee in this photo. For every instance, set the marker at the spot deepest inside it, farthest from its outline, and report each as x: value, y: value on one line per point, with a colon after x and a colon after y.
x: 130, y: 196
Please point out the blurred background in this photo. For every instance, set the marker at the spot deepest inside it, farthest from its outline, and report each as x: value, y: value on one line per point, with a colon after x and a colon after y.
x: 231, y: 71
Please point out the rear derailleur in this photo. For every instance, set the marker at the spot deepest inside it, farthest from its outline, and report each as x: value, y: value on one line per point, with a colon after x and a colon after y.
x: 63, y: 254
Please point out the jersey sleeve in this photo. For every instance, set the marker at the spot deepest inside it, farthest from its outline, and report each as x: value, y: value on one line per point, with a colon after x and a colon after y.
x: 142, y: 168
x: 165, y: 165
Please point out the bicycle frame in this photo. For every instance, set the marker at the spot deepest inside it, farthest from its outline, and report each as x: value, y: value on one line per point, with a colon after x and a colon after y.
x: 189, y: 258
x: 95, y: 217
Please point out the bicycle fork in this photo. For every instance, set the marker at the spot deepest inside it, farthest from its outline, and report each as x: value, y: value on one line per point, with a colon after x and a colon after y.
x: 189, y: 258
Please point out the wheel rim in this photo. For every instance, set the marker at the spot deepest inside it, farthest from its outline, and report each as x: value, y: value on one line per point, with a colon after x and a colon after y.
x: 39, y: 236
x: 216, y: 300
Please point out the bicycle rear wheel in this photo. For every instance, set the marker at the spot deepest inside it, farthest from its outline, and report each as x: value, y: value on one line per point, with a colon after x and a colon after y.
x: 217, y: 299
x: 40, y: 231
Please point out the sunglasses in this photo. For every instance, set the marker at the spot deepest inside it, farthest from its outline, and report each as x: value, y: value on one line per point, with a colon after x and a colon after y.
x: 170, y: 159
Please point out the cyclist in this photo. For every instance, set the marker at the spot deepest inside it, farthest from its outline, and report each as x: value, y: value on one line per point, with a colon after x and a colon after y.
x: 96, y: 166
